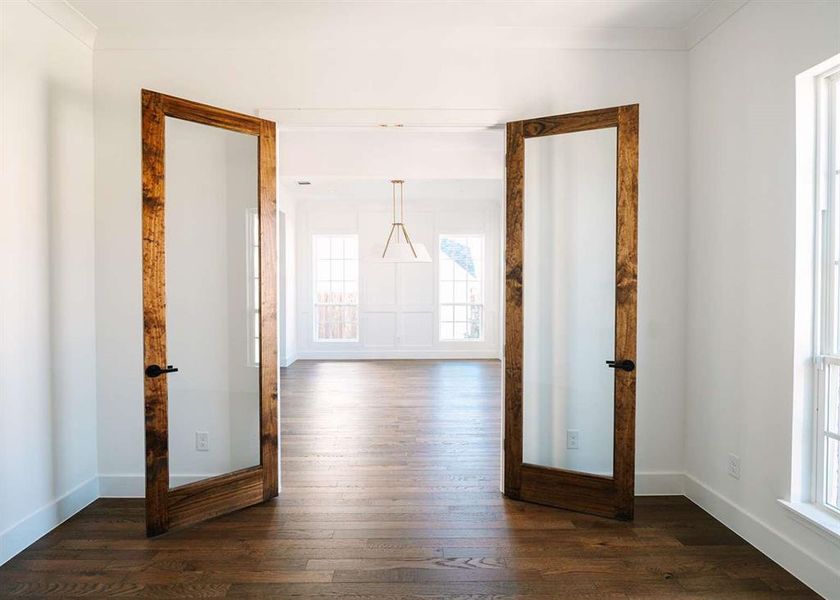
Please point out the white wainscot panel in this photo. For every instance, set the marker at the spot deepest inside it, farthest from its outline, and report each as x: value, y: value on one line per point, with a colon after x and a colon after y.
x: 379, y: 329
x: 378, y: 283
x: 418, y: 328
x: 416, y: 283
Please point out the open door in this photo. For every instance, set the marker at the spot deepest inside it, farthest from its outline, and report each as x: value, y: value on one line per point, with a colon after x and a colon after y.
x: 209, y: 311
x: 570, y: 322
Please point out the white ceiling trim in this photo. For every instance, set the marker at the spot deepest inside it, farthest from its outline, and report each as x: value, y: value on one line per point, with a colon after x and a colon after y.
x: 570, y: 38
x: 591, y: 38
x: 69, y: 19
x: 710, y: 19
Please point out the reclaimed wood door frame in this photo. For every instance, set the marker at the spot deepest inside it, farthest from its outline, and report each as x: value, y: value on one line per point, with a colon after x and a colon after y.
x: 595, y: 494
x: 168, y: 508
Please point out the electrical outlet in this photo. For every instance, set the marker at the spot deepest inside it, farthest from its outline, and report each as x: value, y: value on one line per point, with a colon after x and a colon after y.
x: 572, y: 439
x: 734, y: 466
x: 202, y: 441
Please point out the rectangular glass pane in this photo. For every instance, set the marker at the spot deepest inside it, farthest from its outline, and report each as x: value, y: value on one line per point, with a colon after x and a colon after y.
x: 834, y: 188
x: 832, y: 475
x: 832, y: 422
x: 350, y: 314
x: 569, y: 301
x: 351, y: 292
x: 459, y: 330
x: 446, y: 294
x: 337, y: 270
x: 350, y: 330
x: 337, y: 248
x: 322, y: 291
x: 322, y: 269
x: 211, y: 326
x: 351, y: 270
x: 474, y: 320
x: 459, y: 291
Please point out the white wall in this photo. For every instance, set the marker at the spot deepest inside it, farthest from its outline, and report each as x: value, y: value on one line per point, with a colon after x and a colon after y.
x: 47, y: 341
x: 515, y: 80
x: 287, y: 274
x: 398, y: 310
x: 741, y: 274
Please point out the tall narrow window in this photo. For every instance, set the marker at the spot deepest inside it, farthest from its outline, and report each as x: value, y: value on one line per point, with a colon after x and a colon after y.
x: 336, y: 291
x: 461, y: 287
x: 252, y: 269
x: 827, y: 463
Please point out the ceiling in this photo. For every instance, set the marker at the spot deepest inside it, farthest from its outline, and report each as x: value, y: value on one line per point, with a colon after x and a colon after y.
x: 246, y: 23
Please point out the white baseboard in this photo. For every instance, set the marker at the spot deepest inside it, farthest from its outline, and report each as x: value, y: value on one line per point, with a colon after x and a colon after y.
x: 803, y: 565
x: 391, y: 354
x: 30, y: 529
x: 287, y: 361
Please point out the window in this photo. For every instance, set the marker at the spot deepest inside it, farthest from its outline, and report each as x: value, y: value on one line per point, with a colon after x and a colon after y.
x: 336, y: 291
x: 461, y: 287
x: 827, y: 330
x: 252, y: 256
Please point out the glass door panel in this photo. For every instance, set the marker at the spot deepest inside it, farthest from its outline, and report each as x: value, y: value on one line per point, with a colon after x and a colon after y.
x: 569, y: 301
x: 214, y: 397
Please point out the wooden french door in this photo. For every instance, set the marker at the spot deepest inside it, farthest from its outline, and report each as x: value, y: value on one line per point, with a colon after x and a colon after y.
x: 209, y: 311
x: 570, y: 349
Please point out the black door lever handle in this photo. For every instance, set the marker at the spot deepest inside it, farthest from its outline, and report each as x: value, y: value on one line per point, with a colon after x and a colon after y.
x: 157, y: 370
x: 624, y: 365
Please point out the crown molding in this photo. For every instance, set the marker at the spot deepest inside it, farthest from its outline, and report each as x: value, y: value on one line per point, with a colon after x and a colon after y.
x: 69, y: 19
x: 580, y: 38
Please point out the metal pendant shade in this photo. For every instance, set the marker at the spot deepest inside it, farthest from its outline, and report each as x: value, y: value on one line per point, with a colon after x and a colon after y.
x: 399, y: 248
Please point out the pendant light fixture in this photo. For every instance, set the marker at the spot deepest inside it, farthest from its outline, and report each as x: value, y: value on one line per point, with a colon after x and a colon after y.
x: 399, y: 247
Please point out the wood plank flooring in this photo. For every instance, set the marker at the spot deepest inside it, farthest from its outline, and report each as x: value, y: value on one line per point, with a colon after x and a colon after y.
x: 390, y: 478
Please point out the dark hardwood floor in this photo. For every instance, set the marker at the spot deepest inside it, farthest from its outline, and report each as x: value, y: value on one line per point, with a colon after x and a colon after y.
x: 390, y: 478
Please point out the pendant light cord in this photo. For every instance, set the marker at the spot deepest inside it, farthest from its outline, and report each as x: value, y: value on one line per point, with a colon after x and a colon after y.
x: 394, y: 206
x: 402, y: 212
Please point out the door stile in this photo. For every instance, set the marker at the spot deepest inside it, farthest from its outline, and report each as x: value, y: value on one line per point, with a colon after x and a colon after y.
x: 154, y: 314
x: 627, y: 210
x: 514, y: 224
x: 268, y: 310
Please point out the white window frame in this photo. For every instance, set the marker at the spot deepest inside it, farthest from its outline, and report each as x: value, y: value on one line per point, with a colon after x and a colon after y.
x: 827, y: 278
x: 252, y: 273
x: 316, y: 304
x: 483, y: 283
